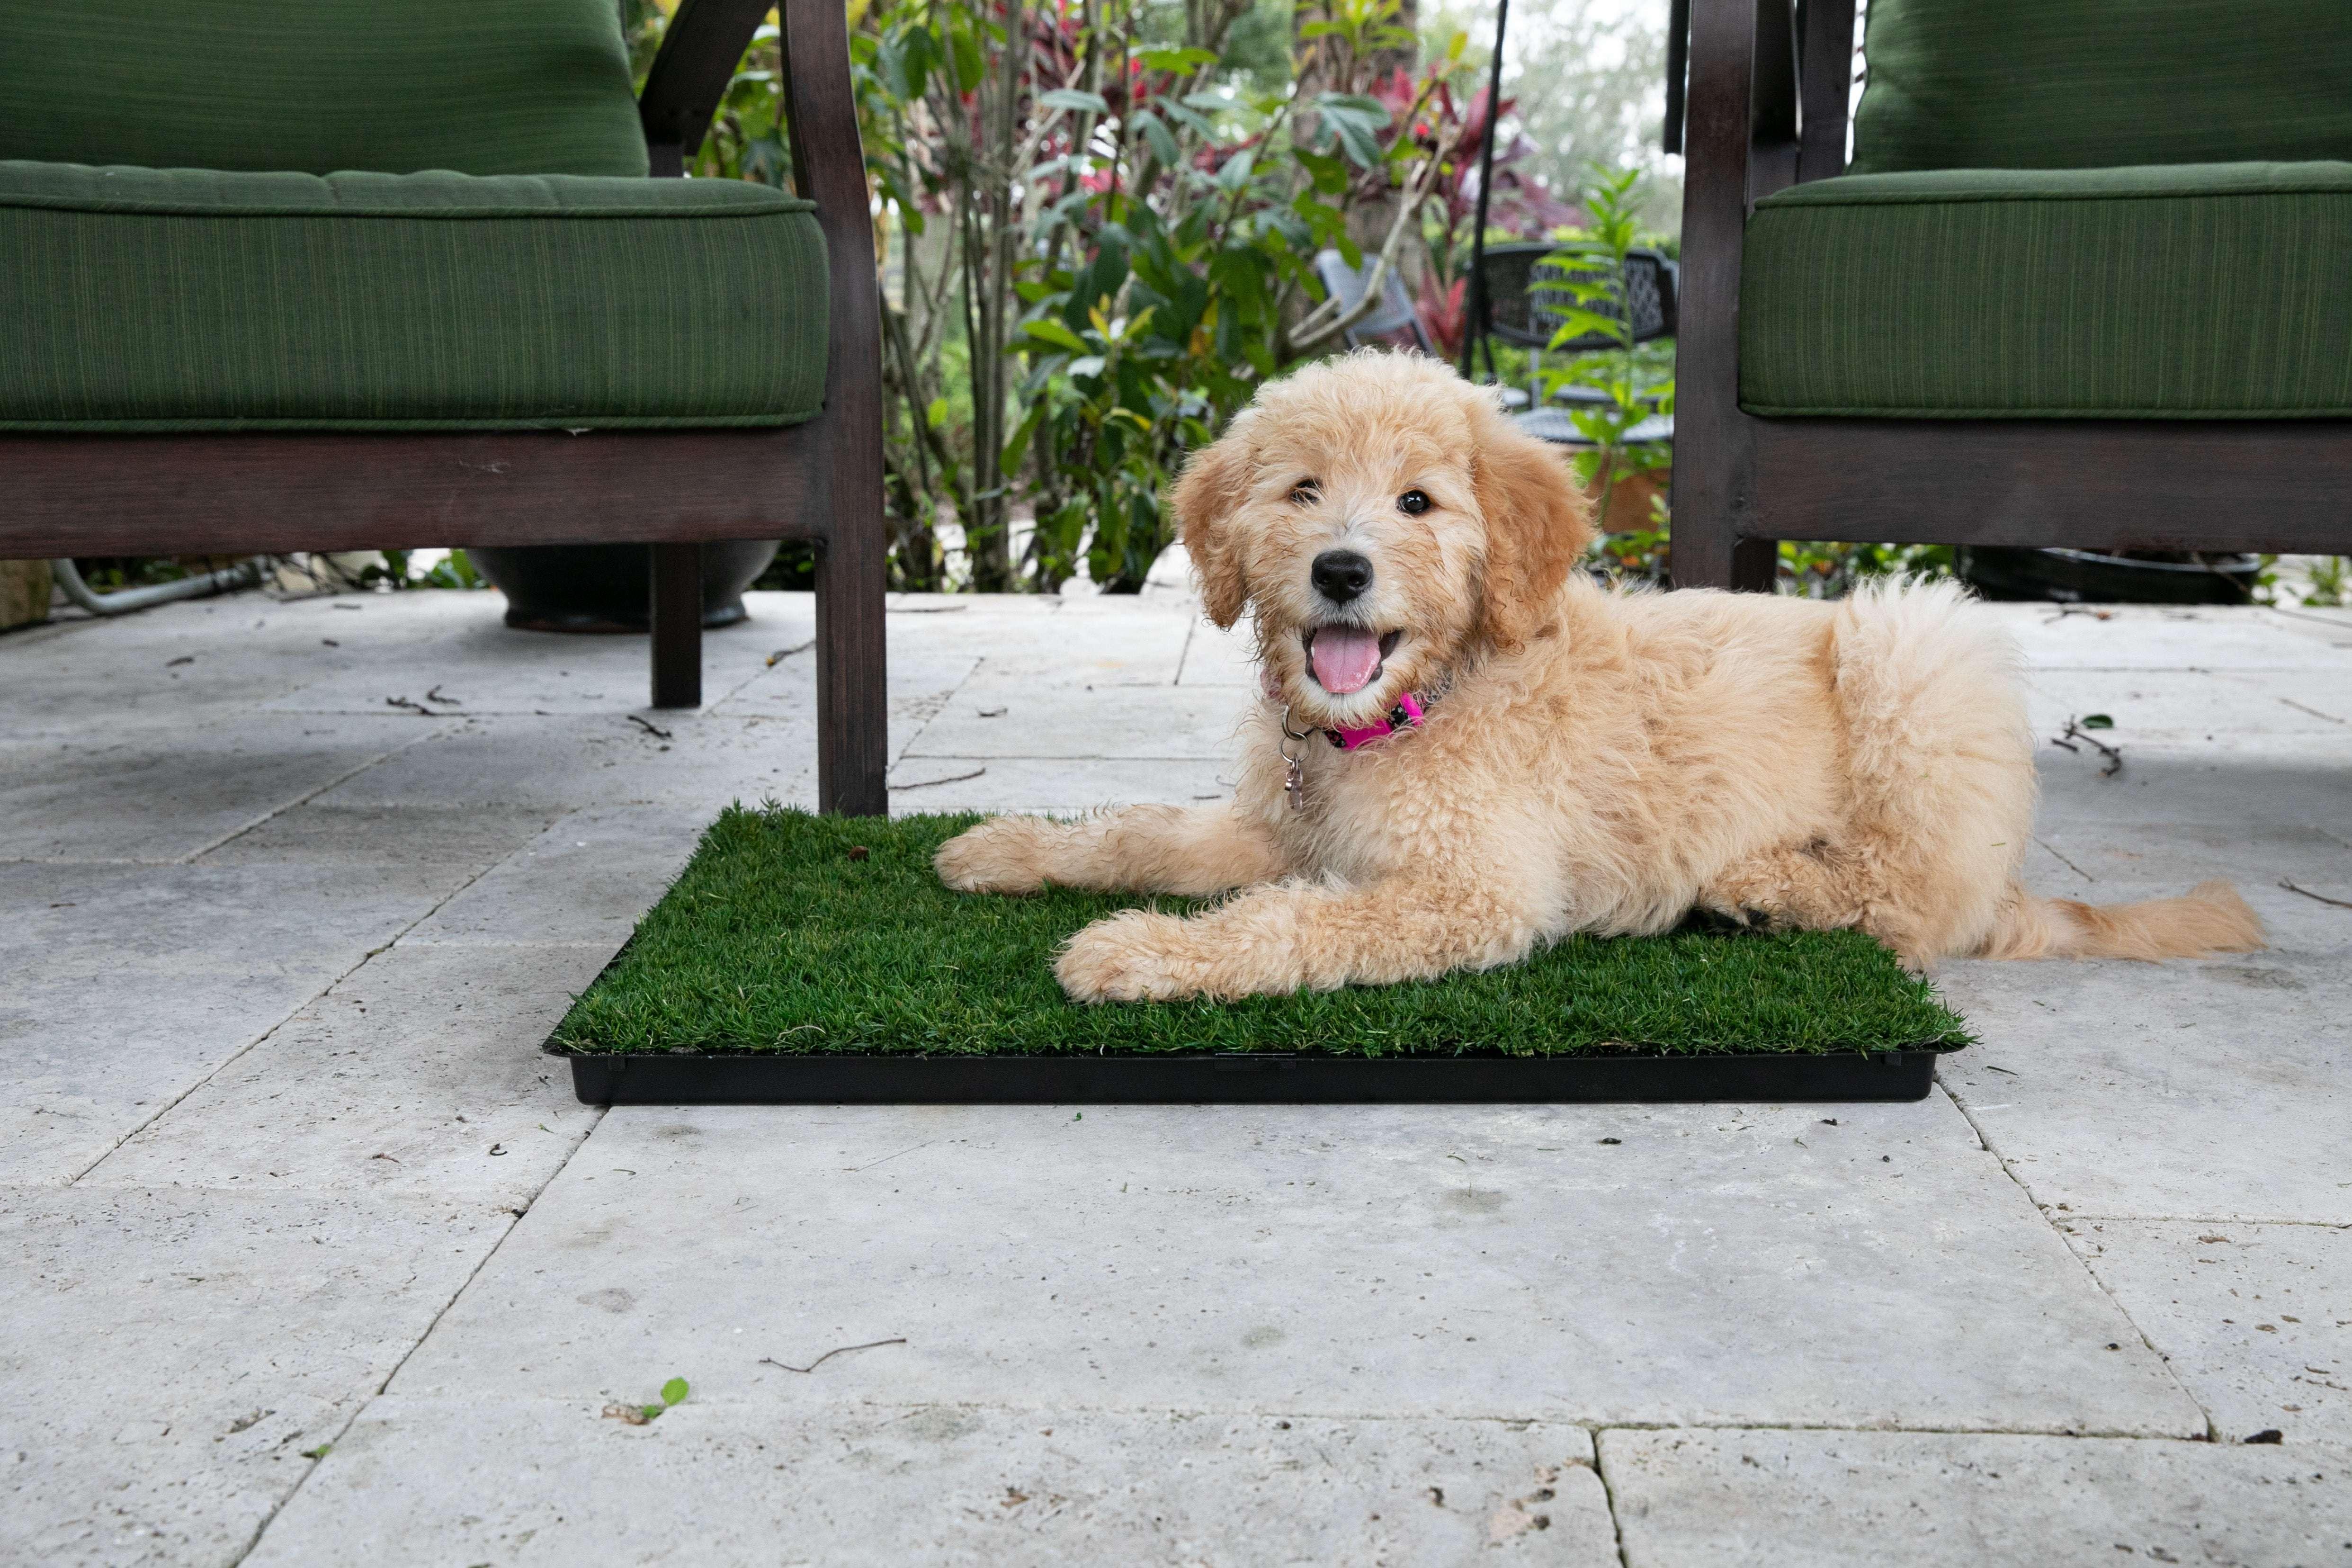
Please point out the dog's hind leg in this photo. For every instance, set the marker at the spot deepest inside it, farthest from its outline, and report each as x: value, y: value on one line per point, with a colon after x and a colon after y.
x: 1195, y: 851
x: 1808, y: 889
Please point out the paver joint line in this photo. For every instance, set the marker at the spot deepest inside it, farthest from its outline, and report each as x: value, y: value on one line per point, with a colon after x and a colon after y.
x: 265, y: 1035
x: 2010, y: 1170
x: 361, y: 1408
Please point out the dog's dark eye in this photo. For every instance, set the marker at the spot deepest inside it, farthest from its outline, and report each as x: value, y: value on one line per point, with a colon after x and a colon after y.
x: 1305, y: 492
x: 1412, y: 503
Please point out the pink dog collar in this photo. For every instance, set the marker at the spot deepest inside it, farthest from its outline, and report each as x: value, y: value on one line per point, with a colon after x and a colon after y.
x: 1406, y: 714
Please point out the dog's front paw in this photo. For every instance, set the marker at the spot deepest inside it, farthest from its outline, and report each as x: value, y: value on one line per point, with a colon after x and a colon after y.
x: 1003, y: 854
x: 1135, y: 955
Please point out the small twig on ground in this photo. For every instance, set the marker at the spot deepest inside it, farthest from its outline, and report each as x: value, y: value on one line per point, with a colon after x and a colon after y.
x: 2301, y: 708
x: 411, y: 707
x: 437, y: 695
x: 2307, y: 893
x: 2065, y: 610
x: 844, y: 1350
x: 951, y: 778
x: 2075, y: 731
x: 782, y: 653
x: 656, y: 730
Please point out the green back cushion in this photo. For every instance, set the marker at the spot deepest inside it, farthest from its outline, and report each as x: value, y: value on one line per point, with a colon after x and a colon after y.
x: 483, y: 86
x: 2087, y: 84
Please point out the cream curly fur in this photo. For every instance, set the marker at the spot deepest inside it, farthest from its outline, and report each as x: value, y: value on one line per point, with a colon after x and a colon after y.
x: 1604, y: 762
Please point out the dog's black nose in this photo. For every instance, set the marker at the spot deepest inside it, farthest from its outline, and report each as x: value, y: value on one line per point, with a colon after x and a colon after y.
x: 1340, y: 575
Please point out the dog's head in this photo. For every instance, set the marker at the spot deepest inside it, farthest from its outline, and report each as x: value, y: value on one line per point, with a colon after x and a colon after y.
x: 1386, y: 523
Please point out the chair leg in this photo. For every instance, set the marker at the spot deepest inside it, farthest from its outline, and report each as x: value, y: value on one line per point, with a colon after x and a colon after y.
x: 853, y: 711
x: 1711, y: 558
x: 677, y: 625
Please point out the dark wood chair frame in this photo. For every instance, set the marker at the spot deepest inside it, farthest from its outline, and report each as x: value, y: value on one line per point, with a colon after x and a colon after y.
x: 1742, y: 483
x: 821, y: 480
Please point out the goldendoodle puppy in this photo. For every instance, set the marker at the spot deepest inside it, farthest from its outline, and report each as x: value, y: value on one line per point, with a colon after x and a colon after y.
x: 1466, y: 748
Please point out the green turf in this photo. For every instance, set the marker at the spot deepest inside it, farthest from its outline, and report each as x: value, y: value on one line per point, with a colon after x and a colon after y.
x: 778, y: 938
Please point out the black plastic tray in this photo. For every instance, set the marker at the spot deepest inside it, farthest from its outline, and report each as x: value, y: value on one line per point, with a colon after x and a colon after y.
x: 692, y: 1079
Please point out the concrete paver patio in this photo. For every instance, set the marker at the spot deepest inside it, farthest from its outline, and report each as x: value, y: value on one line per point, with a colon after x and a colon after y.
x: 310, y: 1255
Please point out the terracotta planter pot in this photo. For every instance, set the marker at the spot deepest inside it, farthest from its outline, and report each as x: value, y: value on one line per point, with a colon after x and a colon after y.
x: 1628, y: 500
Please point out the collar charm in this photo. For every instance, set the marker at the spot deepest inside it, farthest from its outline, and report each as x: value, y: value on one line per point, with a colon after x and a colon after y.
x: 1406, y: 713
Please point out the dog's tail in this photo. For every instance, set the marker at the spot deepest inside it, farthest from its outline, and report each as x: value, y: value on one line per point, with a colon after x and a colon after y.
x: 2211, y: 918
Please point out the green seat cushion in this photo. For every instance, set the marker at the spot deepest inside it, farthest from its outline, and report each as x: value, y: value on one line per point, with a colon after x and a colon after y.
x: 2082, y: 84
x: 2189, y: 292
x: 193, y: 300
x: 484, y: 87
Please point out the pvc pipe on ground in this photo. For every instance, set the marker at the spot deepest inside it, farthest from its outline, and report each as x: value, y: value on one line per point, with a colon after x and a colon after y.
x: 244, y: 574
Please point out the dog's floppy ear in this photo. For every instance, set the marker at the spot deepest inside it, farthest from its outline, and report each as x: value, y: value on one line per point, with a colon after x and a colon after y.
x: 1215, y: 482
x: 1538, y: 524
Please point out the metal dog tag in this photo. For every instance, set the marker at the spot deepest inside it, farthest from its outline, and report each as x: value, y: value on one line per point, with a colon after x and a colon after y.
x: 1294, y: 784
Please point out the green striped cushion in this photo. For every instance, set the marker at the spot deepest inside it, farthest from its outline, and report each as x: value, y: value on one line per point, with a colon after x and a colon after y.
x: 485, y: 86
x: 187, y: 299
x: 2182, y: 291
x: 2082, y: 84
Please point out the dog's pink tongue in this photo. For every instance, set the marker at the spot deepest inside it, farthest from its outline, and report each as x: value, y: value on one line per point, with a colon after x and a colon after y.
x: 1345, y: 657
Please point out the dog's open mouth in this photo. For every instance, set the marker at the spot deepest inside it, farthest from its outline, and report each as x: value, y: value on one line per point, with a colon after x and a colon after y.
x: 1346, y: 659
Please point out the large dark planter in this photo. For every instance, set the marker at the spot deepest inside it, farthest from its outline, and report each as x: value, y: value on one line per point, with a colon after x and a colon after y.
x: 608, y: 587
x: 2088, y: 577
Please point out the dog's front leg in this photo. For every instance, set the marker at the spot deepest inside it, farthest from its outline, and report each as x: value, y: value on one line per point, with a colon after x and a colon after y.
x: 1140, y: 849
x: 1301, y: 936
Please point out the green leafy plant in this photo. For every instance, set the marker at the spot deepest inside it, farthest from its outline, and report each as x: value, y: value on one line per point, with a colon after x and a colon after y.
x: 673, y: 1393
x: 1097, y: 221
x: 1599, y: 303
x: 2327, y: 584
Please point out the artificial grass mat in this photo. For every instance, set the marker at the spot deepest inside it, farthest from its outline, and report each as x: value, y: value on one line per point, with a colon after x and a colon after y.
x: 781, y: 937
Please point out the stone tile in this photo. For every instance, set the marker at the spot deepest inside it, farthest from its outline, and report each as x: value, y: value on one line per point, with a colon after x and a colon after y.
x: 128, y: 986
x: 920, y: 680
x: 2105, y: 858
x: 1216, y: 658
x: 472, y: 836
x: 182, y: 665
x: 1087, y: 642
x: 2202, y: 1091
x: 2256, y: 1320
x: 1720, y: 1263
x: 2280, y: 780
x: 1049, y: 785
x: 587, y: 880
x: 2147, y: 637
x: 2191, y: 705
x: 172, y: 1355
x: 1011, y: 716
x: 153, y: 795
x: 482, y: 665
x: 1864, y: 1500
x: 418, y: 1075
x: 699, y: 761
x: 732, y: 1479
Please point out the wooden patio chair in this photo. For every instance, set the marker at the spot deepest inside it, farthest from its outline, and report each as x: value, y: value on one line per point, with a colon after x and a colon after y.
x: 2083, y: 283
x: 218, y: 342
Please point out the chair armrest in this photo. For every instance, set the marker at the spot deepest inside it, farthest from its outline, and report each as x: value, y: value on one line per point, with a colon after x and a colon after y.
x: 704, y: 43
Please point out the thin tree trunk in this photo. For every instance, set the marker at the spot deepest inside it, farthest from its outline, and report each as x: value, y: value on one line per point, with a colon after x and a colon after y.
x: 989, y: 236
